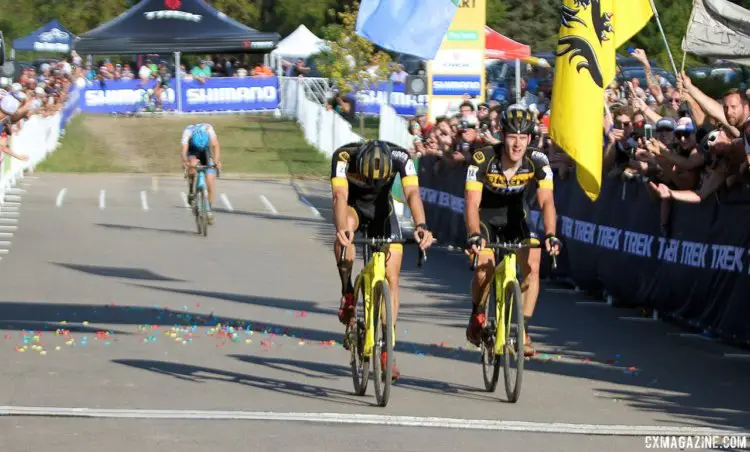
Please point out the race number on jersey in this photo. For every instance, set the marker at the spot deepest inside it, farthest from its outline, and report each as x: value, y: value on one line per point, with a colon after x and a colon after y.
x: 341, y: 169
x: 471, y: 173
x: 409, y: 169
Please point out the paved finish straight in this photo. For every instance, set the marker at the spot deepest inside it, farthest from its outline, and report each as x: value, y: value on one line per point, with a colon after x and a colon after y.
x: 119, y: 305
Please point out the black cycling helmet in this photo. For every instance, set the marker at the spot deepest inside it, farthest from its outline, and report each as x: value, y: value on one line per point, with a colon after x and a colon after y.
x: 518, y: 119
x: 374, y: 161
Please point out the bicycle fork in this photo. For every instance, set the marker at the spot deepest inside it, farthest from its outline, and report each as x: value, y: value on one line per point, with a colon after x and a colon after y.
x: 370, y: 281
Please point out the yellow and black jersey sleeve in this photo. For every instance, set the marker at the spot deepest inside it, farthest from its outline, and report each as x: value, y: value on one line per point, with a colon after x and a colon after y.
x: 340, y: 165
x: 542, y: 170
x: 404, y: 165
x: 477, y: 170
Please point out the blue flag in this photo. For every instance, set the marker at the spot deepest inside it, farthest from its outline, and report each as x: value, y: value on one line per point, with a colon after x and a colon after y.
x: 414, y: 27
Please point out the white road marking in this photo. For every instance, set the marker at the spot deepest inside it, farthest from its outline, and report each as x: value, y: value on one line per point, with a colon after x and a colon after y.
x: 745, y: 356
x: 7, y: 208
x: 12, y: 198
x: 8, y: 214
x: 315, y: 211
x: 9, y: 220
x: 5, y: 243
x: 3, y: 251
x: 8, y: 228
x: 184, y: 198
x: 268, y: 204
x: 15, y: 191
x: 6, y: 234
x: 225, y: 201
x: 691, y: 336
x: 144, y: 200
x: 60, y: 197
x: 591, y: 303
x: 102, y: 195
x: 559, y: 290
x: 373, y: 419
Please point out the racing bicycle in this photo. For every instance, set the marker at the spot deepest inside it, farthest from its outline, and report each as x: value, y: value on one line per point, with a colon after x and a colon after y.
x: 503, y: 335
x: 200, y: 198
x: 372, y: 330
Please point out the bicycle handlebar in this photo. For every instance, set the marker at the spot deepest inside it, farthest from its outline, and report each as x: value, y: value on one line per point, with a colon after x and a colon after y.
x: 510, y: 246
x: 378, y: 242
x: 200, y: 167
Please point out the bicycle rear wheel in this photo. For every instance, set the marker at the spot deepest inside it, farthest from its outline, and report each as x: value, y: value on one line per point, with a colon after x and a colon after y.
x: 203, y: 215
x: 490, y: 361
x: 356, y: 337
x: 513, y: 357
x: 197, y: 210
x: 383, y: 342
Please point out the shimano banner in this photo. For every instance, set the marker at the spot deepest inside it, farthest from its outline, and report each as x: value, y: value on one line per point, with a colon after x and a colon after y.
x: 405, y: 104
x: 699, y: 275
x: 216, y: 94
x: 123, y: 96
x: 233, y: 94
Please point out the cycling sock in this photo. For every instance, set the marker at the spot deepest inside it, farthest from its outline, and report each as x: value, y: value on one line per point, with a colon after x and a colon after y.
x: 345, y: 273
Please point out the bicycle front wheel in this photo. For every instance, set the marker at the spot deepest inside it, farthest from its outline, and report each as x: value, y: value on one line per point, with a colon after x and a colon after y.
x: 513, y: 357
x: 383, y: 331
x: 203, y: 214
x: 490, y: 361
x: 360, y: 364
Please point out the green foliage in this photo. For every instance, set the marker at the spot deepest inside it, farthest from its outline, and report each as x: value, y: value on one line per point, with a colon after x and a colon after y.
x: 350, y: 55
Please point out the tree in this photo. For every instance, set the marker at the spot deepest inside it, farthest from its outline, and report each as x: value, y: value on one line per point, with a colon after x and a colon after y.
x: 350, y: 55
x: 496, y: 14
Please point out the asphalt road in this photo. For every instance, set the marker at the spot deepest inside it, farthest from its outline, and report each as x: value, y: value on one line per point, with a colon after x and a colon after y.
x: 111, y: 302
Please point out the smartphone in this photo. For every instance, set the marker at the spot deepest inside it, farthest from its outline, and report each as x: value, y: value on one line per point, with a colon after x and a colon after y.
x: 649, y: 131
x: 630, y: 50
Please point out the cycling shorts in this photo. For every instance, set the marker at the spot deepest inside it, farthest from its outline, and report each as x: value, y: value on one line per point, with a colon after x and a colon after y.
x: 204, y: 159
x: 505, y: 225
x: 377, y: 219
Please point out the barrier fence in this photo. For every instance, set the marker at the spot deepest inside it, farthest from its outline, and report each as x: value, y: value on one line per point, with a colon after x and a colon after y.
x: 38, y: 137
x: 700, y: 276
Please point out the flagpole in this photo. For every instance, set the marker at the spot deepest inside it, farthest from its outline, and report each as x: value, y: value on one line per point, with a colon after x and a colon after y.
x: 663, y: 36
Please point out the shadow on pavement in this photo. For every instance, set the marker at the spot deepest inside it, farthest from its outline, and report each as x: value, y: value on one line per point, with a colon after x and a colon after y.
x: 198, y: 374
x: 126, y: 227
x: 325, y: 371
x: 118, y: 272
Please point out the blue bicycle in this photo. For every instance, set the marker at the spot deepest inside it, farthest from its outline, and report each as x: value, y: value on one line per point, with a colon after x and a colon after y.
x: 200, y: 198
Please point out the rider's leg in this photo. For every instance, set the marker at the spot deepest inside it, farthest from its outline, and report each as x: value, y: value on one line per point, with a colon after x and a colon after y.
x: 529, y: 260
x: 210, y: 181
x: 192, y: 161
x: 345, y: 269
x: 392, y: 272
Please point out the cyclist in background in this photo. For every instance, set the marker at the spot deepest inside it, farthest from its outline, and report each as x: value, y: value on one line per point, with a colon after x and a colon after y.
x: 497, y: 182
x: 362, y: 176
x: 200, y: 144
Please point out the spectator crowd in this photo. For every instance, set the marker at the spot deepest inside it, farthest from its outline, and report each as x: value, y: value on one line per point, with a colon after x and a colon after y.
x: 684, y: 144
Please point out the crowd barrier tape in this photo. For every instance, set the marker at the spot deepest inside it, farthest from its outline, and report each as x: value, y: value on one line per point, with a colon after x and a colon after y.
x: 699, y: 276
x: 215, y: 94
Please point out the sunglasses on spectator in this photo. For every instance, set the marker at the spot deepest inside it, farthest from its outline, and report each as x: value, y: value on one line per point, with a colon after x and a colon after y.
x: 675, y: 101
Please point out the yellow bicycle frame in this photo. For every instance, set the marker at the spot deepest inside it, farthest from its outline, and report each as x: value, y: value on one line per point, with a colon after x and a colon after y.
x: 505, y: 273
x: 370, y: 276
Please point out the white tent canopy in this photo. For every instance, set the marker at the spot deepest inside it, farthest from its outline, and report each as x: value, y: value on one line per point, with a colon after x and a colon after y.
x: 301, y: 43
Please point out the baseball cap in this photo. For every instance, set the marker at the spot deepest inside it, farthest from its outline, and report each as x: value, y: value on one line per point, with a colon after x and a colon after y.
x: 666, y: 124
x: 9, y: 104
x: 685, y: 125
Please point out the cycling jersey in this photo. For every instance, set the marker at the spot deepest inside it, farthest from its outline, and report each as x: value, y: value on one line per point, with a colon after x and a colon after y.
x: 203, y: 155
x: 372, y: 203
x: 504, y: 201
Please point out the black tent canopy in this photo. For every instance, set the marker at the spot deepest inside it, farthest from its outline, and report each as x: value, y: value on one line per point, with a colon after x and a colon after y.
x: 165, y: 26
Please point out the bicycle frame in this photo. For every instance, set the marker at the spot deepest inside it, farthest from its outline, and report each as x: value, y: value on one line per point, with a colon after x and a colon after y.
x: 370, y: 276
x: 506, y: 271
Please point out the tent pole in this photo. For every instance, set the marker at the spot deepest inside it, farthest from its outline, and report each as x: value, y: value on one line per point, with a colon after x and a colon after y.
x: 518, y: 81
x: 178, y: 75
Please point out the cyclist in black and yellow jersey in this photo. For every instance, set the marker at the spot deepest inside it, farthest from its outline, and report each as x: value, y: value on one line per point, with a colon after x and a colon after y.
x: 498, y: 183
x: 362, y: 175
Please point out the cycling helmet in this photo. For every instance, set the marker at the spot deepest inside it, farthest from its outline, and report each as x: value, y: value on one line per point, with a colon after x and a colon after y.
x: 199, y: 139
x: 374, y: 162
x: 518, y: 119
